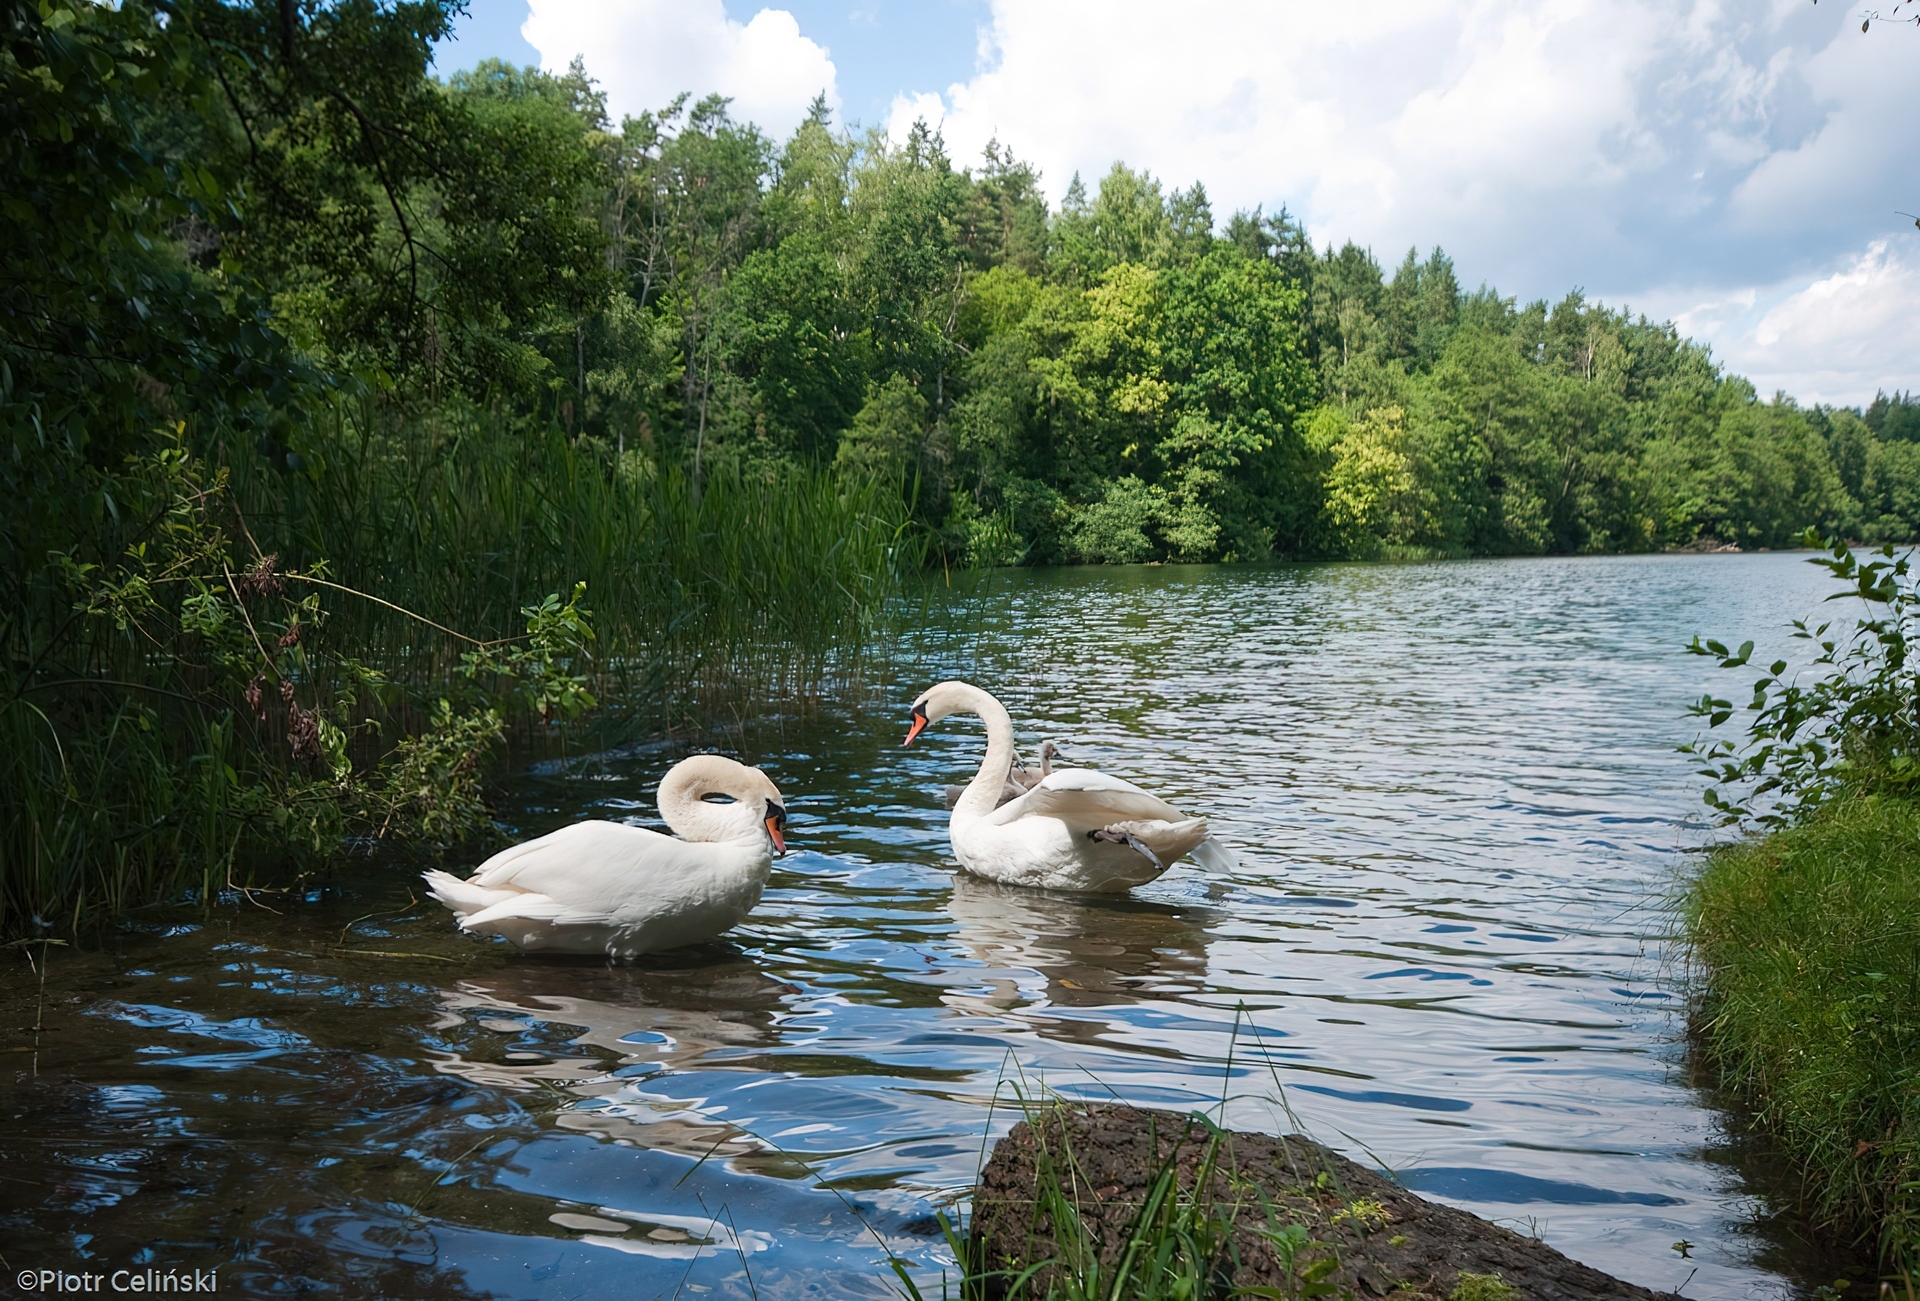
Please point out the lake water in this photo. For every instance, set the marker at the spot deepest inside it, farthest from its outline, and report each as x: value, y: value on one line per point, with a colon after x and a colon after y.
x: 1458, y: 806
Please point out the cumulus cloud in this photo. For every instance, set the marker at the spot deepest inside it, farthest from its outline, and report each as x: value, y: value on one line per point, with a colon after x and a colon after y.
x: 1680, y: 150
x: 1841, y: 337
x: 644, y: 52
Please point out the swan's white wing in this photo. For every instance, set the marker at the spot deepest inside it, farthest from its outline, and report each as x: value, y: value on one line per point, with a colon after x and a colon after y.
x: 530, y: 907
x: 1085, y: 800
x: 1017, y: 784
x: 587, y: 861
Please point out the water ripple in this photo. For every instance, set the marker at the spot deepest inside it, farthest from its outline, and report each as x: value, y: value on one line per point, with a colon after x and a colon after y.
x: 1458, y: 807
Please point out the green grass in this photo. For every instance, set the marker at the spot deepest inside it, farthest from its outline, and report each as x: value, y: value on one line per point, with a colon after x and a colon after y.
x: 1198, y: 1217
x: 1807, y: 943
x: 1179, y: 1243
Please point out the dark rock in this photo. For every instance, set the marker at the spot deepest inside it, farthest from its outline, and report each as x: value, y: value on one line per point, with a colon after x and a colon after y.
x: 1357, y: 1231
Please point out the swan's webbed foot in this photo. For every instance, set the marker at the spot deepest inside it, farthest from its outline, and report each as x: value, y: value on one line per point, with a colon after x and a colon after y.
x: 1109, y: 836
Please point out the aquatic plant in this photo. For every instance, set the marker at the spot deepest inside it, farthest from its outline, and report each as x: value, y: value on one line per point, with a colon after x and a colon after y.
x: 1482, y: 1287
x: 1178, y: 1244
x: 748, y: 584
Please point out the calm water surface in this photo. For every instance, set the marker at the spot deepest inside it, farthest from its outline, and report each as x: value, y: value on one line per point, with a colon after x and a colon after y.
x: 1456, y: 797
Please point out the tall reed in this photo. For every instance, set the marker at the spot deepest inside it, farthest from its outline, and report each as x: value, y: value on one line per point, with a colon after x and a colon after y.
x: 766, y: 584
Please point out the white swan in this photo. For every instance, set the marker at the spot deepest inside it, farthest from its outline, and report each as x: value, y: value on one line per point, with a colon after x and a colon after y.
x: 1075, y: 830
x: 605, y: 887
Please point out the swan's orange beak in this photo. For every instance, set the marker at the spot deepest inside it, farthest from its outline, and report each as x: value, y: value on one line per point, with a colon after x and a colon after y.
x: 776, y: 819
x: 919, y: 724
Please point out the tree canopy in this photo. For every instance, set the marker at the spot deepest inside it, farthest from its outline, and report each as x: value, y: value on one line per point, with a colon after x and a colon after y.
x: 239, y: 211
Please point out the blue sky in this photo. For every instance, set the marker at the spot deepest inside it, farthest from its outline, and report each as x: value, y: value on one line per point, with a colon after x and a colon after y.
x: 881, y: 48
x: 1732, y: 165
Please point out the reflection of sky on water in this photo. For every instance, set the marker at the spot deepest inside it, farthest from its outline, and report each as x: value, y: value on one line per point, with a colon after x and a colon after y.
x: 1456, y: 800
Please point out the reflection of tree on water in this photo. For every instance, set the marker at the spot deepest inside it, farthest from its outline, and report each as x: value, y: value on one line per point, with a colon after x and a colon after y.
x: 1073, y: 950
x: 603, y: 1032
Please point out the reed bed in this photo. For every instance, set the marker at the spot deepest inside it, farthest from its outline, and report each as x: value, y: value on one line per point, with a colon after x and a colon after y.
x: 768, y: 584
x: 134, y: 762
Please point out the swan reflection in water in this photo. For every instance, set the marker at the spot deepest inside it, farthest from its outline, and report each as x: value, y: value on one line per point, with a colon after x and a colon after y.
x: 1073, y: 950
x: 608, y: 1036
x: 603, y: 1033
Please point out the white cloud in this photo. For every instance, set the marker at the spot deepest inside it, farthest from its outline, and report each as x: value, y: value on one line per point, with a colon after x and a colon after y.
x: 1843, y: 336
x: 1627, y: 146
x: 644, y: 52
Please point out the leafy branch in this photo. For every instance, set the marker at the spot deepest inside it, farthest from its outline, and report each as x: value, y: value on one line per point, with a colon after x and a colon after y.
x: 1852, y: 720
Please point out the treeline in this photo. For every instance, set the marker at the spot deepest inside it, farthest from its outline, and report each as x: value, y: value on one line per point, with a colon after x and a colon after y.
x: 1124, y: 378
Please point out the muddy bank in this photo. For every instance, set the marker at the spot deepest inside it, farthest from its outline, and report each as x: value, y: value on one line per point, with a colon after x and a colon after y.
x: 1356, y: 1230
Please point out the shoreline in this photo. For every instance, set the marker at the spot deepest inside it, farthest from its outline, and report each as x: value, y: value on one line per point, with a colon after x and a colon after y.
x: 1096, y: 1190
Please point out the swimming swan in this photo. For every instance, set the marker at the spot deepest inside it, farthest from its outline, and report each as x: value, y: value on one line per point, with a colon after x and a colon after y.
x: 1075, y: 830
x: 605, y: 887
x: 1019, y: 780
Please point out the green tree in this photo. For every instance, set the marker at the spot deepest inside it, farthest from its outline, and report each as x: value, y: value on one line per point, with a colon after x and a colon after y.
x: 1004, y: 220
x: 888, y: 435
x: 1770, y: 475
x: 1232, y: 463
x: 788, y: 326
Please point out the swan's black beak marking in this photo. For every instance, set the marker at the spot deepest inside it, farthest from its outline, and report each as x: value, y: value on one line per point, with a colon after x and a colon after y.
x: 919, y: 723
x: 776, y: 820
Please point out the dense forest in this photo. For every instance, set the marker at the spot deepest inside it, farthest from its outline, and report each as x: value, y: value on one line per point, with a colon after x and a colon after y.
x: 325, y: 383
x: 1127, y: 378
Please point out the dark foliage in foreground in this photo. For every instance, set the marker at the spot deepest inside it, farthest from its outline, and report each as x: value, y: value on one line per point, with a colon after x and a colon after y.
x: 298, y: 533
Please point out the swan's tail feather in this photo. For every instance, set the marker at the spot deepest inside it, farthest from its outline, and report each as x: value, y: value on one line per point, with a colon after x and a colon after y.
x: 1160, y: 841
x: 463, y: 897
x: 526, y: 906
x: 1215, y: 855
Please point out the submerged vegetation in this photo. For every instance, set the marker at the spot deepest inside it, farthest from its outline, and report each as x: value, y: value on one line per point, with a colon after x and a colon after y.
x: 1807, y: 940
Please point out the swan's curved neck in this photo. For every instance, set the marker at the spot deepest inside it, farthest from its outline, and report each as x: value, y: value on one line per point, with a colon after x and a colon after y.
x: 983, y: 792
x: 690, y: 816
